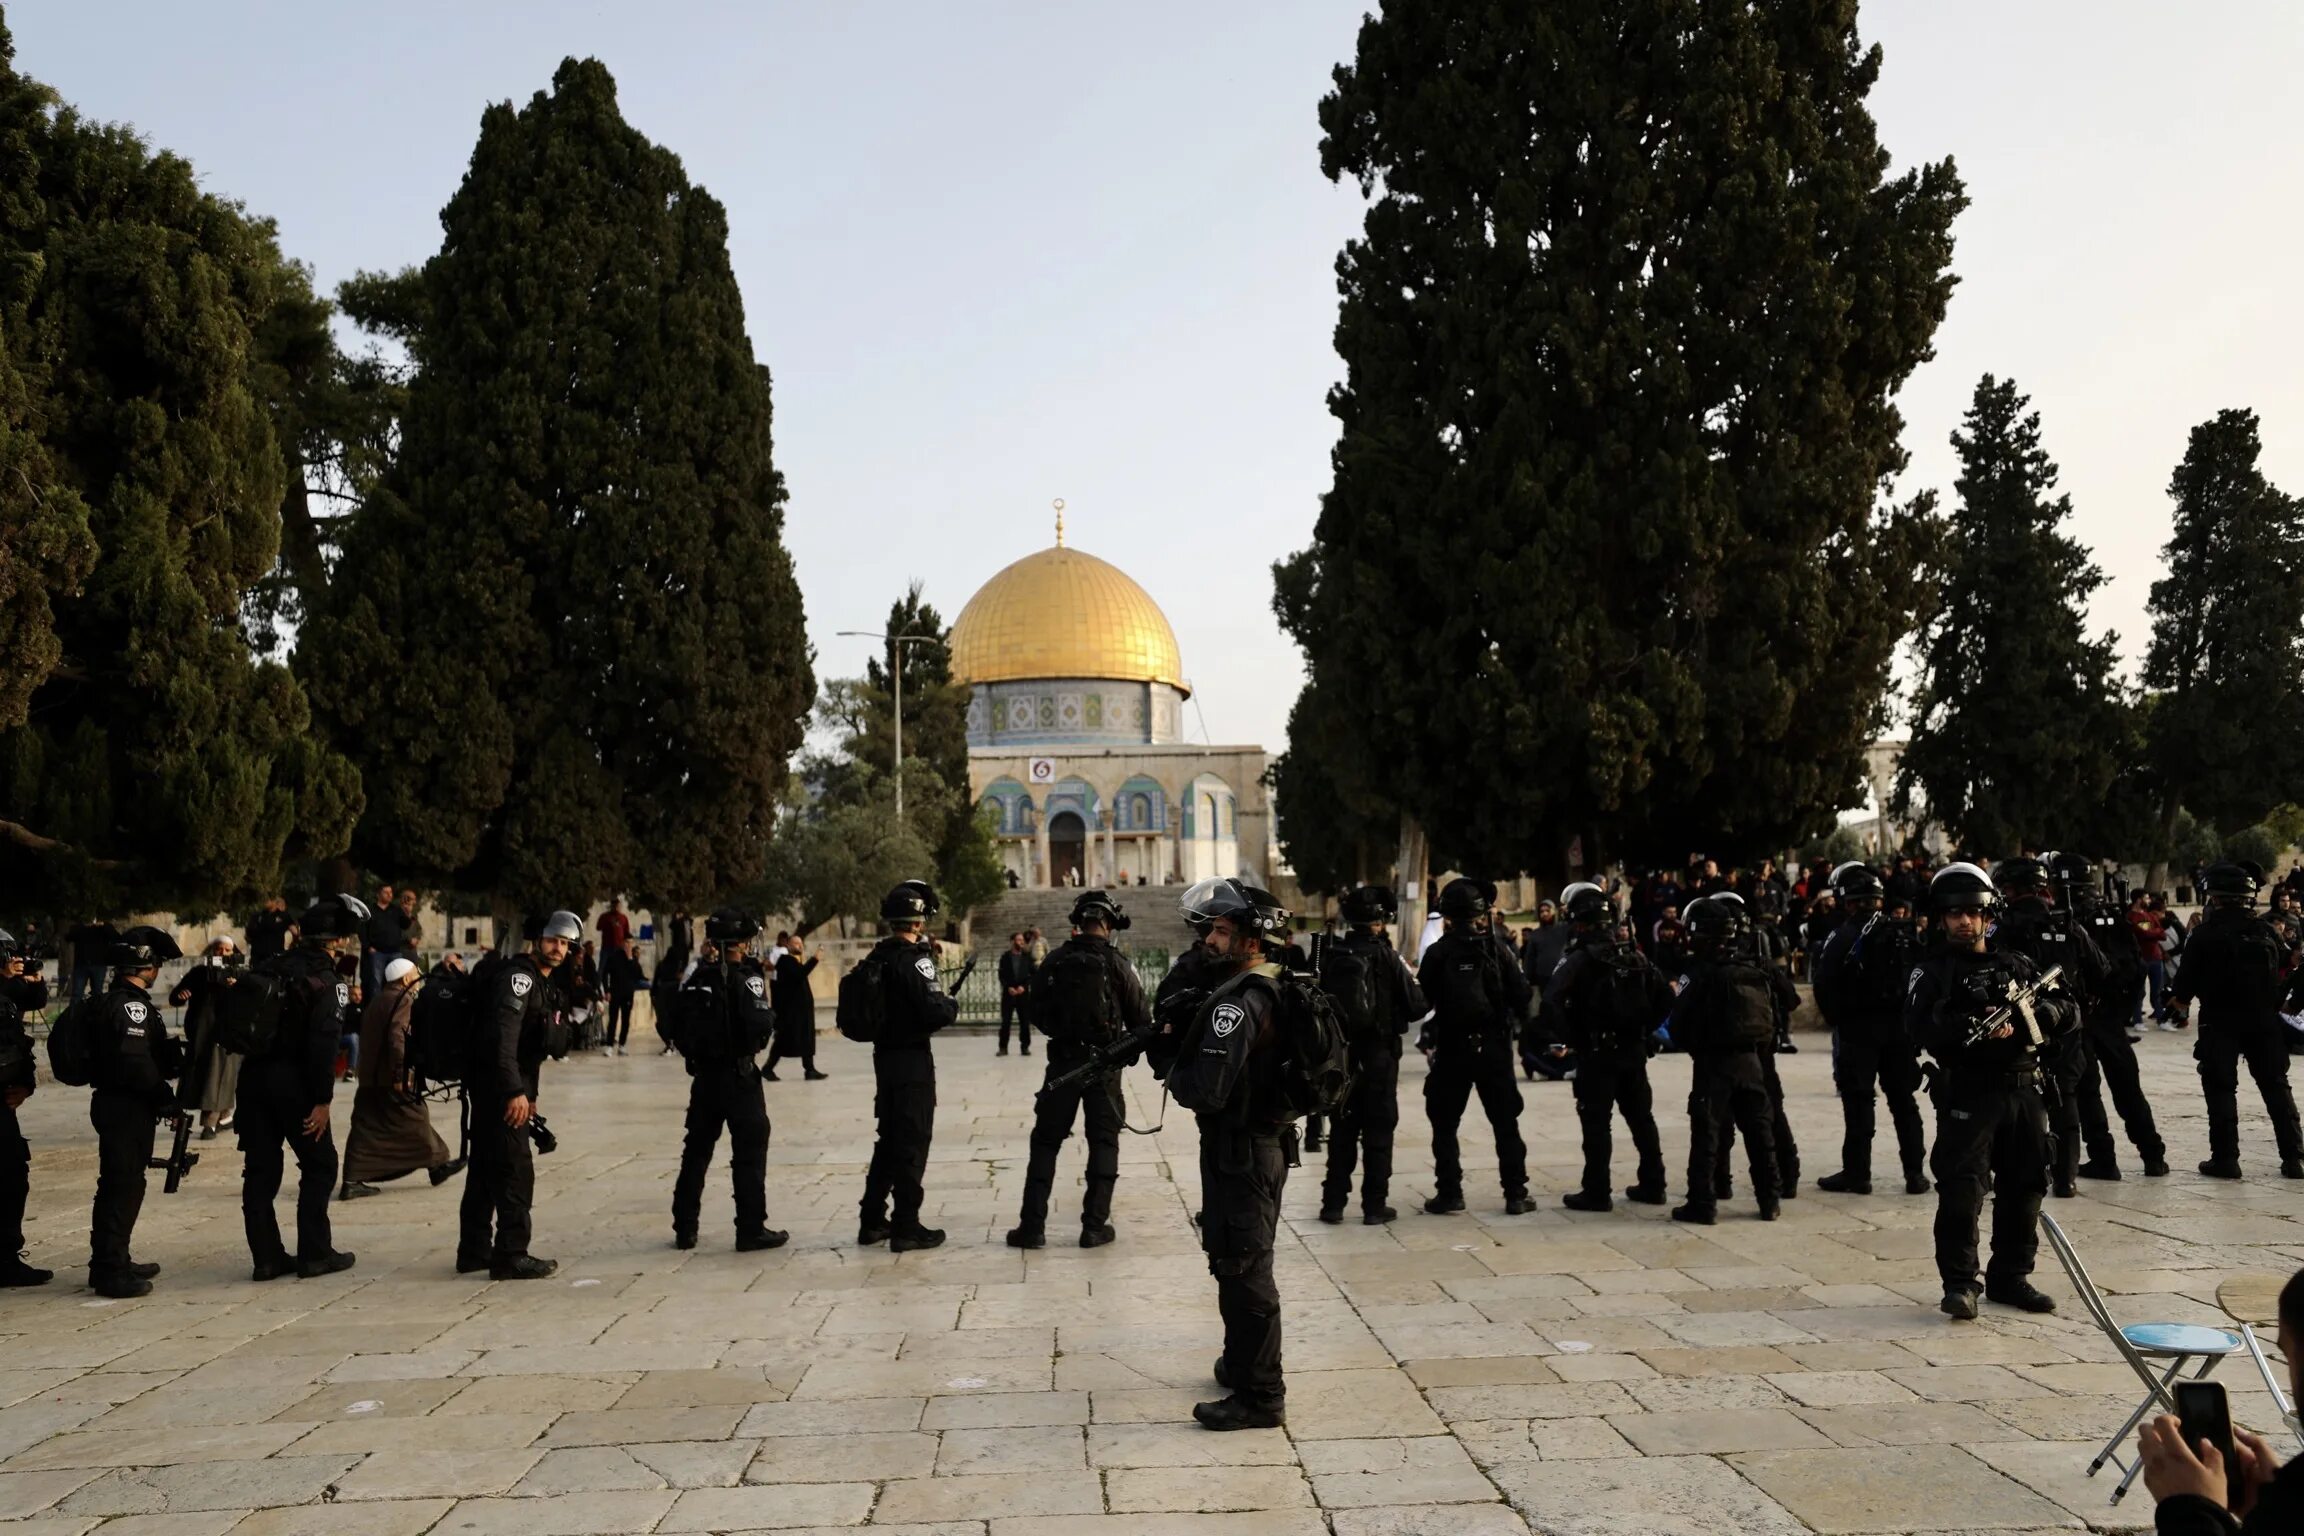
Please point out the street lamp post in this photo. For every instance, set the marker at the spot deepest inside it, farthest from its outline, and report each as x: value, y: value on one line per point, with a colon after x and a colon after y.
x: 896, y: 642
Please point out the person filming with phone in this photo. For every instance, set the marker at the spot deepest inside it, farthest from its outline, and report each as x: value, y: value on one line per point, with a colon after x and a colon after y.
x: 2212, y: 1479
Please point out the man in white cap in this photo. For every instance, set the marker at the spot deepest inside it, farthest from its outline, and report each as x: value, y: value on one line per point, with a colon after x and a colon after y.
x: 392, y: 1133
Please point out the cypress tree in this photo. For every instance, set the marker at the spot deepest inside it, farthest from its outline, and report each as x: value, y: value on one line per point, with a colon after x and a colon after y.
x: 1605, y: 549
x: 2226, y: 732
x: 2019, y: 729
x: 147, y: 757
x: 563, y: 638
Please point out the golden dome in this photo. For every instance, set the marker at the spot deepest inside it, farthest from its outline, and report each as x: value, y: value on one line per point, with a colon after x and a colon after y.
x: 1061, y: 614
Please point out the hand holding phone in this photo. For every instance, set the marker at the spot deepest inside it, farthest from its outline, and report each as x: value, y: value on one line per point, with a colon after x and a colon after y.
x: 2205, y: 1414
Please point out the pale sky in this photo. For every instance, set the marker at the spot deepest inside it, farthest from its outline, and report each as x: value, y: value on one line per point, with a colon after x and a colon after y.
x: 1001, y: 253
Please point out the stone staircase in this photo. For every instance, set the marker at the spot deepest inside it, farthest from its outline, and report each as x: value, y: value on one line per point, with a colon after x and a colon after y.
x: 1154, y: 923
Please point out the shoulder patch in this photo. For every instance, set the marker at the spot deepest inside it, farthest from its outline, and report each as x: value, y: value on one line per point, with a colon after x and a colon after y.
x: 135, y: 1012
x: 1227, y: 1018
x: 752, y: 985
x: 521, y: 982
x: 343, y: 995
x: 1912, y: 982
x: 926, y: 967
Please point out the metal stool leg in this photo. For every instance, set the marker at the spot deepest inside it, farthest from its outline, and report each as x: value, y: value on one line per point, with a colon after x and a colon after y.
x: 2151, y: 1399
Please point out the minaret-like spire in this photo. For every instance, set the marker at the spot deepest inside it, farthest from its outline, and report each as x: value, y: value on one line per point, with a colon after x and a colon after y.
x: 1059, y: 522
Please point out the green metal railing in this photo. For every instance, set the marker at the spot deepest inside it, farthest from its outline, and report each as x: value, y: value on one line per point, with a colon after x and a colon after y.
x: 980, y: 994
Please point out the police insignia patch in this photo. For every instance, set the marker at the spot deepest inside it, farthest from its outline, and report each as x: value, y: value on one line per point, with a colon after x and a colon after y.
x: 752, y: 985
x: 521, y: 984
x: 343, y: 995
x: 1227, y: 1018
x: 926, y: 967
x: 135, y: 1012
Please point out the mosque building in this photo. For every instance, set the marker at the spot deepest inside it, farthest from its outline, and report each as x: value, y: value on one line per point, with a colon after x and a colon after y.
x: 1076, y: 733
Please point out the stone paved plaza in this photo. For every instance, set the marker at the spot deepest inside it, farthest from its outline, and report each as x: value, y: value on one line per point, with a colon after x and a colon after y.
x: 1467, y: 1375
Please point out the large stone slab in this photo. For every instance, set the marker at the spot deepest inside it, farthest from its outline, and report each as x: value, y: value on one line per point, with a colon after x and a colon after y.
x: 1896, y: 1489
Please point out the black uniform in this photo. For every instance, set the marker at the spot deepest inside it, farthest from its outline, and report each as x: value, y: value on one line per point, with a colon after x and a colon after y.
x: 1609, y: 999
x: 1226, y: 1076
x: 1784, y: 1000
x: 131, y: 1059
x: 1096, y: 1099
x: 1991, y: 1123
x: 2049, y: 938
x: 1016, y: 970
x: 1478, y: 992
x: 278, y: 1092
x: 722, y: 1055
x: 1366, y: 1125
x: 2111, y: 1055
x: 17, y: 1070
x: 1861, y: 977
x: 506, y: 1055
x: 1726, y: 1022
x: 268, y: 934
x: 2233, y: 967
x: 904, y: 1083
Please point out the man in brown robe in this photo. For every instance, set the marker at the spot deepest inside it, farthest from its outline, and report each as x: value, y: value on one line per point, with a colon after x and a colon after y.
x: 392, y: 1133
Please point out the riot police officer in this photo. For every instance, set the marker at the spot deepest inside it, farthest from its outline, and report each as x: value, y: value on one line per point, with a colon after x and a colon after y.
x: 131, y: 1060
x: 1861, y: 975
x: 1085, y: 995
x: 2232, y: 966
x: 19, y: 995
x: 2049, y: 936
x: 2110, y: 1054
x: 722, y: 1021
x: 1225, y: 1073
x: 1726, y: 1022
x: 1967, y: 1010
x: 1477, y: 996
x: 502, y: 1074
x: 1609, y: 998
x: 1765, y: 953
x: 904, y: 1071
x: 1366, y: 1125
x: 285, y: 1092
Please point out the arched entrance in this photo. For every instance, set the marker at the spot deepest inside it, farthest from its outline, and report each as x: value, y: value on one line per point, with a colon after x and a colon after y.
x: 1067, y: 847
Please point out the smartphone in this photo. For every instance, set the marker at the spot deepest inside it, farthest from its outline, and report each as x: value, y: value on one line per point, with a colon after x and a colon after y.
x: 2205, y: 1414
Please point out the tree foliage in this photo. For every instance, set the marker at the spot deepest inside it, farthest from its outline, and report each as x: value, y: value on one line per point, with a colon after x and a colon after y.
x: 2018, y: 725
x: 147, y: 758
x: 563, y: 636
x: 2227, y: 655
x: 1605, y: 549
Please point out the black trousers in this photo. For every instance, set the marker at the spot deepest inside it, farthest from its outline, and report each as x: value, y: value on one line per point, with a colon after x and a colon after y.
x: 2112, y: 1067
x: 1018, y: 1010
x: 1364, y: 1130
x: 619, y: 1018
x: 1869, y: 1059
x: 1728, y: 1092
x: 125, y: 1131
x: 2219, y: 1051
x: 270, y: 1119
x: 1242, y: 1174
x: 495, y: 1219
x: 724, y: 1096
x: 1989, y: 1133
x: 904, y: 1103
x: 1458, y: 1071
x: 1608, y: 1083
x: 15, y: 1183
x: 1098, y: 1102
x: 1784, y: 1148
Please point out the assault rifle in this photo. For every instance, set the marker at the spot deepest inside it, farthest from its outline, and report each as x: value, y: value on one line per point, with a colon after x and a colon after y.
x: 1116, y: 1052
x: 2018, y: 1006
x: 961, y: 980
x: 194, y: 1080
x: 180, y: 1157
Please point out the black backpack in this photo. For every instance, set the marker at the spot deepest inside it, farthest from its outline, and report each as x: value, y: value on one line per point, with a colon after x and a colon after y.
x: 248, y: 1012
x: 1746, y: 1007
x: 1072, y: 996
x: 1620, y: 999
x: 1461, y: 985
x: 1350, y: 982
x: 1315, y: 1069
x: 862, y: 1011
x: 71, y: 1046
x: 441, y: 1021
x: 700, y: 1031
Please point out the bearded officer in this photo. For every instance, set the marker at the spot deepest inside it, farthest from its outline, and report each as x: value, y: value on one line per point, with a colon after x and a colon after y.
x: 1370, y: 1119
x: 722, y: 1022
x: 501, y: 1078
x: 914, y: 1008
x: 285, y: 1092
x: 131, y: 1060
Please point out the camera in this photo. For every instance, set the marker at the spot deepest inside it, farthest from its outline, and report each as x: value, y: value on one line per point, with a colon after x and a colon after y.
x: 541, y: 1134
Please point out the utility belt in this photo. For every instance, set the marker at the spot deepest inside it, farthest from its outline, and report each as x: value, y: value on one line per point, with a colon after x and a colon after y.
x: 1995, y: 1079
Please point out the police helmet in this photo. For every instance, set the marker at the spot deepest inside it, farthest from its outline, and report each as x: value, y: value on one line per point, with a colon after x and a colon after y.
x: 1962, y: 887
x: 2022, y: 877
x: 1715, y: 921
x: 1369, y: 904
x: 913, y: 901
x: 2070, y: 869
x: 1857, y: 881
x: 2230, y: 882
x: 1250, y: 909
x: 1463, y: 901
x: 1586, y: 905
x: 335, y: 917
x: 731, y: 925
x: 1193, y: 904
x: 143, y: 947
x: 1097, y: 907
x: 562, y: 924
x: 7, y: 946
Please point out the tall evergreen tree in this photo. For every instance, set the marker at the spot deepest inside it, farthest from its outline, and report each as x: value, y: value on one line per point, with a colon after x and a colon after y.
x: 1605, y: 549
x: 2019, y: 729
x: 147, y: 757
x: 2226, y: 662
x: 564, y: 638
